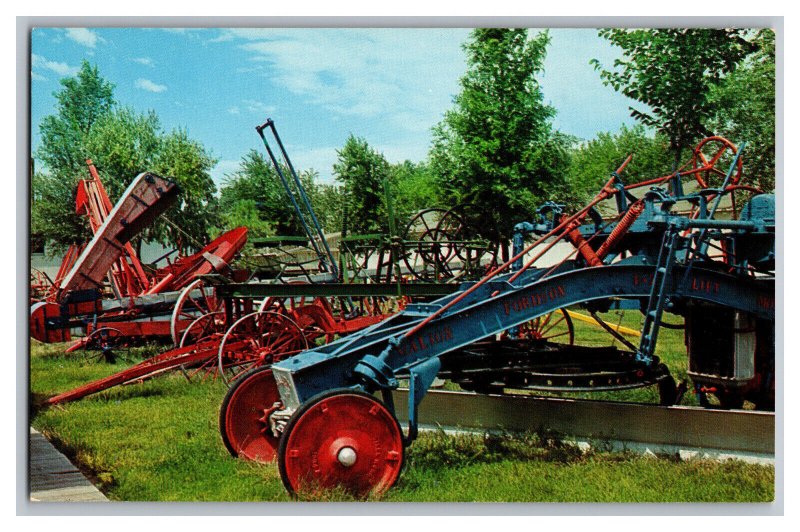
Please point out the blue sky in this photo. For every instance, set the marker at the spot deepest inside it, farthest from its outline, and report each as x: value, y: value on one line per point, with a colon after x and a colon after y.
x: 389, y: 86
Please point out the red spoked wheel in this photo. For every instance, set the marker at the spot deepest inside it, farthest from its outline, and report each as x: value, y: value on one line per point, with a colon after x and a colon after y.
x: 244, y: 416
x: 258, y: 339
x: 194, y: 301
x: 341, y: 439
x: 203, y: 328
x: 707, y: 154
x: 555, y: 326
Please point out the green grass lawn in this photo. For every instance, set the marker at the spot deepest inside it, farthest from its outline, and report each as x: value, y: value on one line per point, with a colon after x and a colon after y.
x: 159, y: 441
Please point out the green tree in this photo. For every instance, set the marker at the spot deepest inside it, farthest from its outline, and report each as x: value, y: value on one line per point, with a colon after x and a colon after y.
x: 745, y: 110
x: 496, y: 148
x: 122, y: 143
x: 255, y: 188
x: 82, y: 101
x: 363, y: 170
x: 415, y: 188
x: 672, y: 72
x: 593, y: 162
x: 328, y: 202
x: 189, y: 163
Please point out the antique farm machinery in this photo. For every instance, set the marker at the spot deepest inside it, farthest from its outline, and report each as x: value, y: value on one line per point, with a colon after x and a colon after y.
x: 222, y: 328
x: 142, y: 298
x: 327, y: 413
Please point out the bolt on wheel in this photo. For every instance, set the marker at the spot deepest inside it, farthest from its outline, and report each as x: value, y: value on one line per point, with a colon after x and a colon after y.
x: 341, y: 439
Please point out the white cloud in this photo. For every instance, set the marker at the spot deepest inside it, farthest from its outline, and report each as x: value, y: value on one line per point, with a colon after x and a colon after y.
x: 39, y: 62
x: 404, y: 76
x: 83, y: 36
x: 234, y: 110
x: 37, y: 77
x: 146, y: 61
x: 258, y: 107
x: 147, y: 85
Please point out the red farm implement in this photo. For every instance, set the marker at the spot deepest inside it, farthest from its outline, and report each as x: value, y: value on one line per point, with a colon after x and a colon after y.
x: 142, y: 298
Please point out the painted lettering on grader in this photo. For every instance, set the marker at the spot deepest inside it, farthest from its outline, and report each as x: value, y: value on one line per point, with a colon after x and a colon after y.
x: 522, y: 303
x: 702, y: 285
x: 427, y: 339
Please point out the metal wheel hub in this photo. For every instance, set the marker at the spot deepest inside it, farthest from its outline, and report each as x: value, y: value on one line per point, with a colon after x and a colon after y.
x: 343, y: 439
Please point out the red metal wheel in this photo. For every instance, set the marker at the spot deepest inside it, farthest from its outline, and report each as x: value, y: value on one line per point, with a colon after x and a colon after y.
x: 707, y: 154
x: 244, y: 416
x: 258, y: 339
x: 194, y: 300
x: 341, y: 439
x: 555, y: 326
x: 203, y: 328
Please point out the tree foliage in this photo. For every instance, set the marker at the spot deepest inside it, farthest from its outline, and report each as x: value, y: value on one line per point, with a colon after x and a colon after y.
x: 88, y: 124
x: 362, y: 170
x: 415, y: 187
x: 496, y: 148
x: 745, y: 110
x: 672, y: 72
x: 82, y: 101
x: 255, y: 192
x: 593, y: 162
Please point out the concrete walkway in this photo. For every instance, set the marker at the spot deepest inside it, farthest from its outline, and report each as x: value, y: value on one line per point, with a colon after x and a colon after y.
x: 54, y: 478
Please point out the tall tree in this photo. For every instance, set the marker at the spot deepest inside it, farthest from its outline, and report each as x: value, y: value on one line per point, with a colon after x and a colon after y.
x: 254, y: 191
x: 415, y: 188
x: 122, y: 143
x: 745, y: 110
x: 189, y: 163
x: 496, y: 148
x: 82, y: 101
x: 672, y: 72
x: 363, y: 170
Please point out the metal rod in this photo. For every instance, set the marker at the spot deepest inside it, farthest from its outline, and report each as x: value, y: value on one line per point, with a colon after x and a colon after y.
x: 305, y: 199
x: 285, y: 183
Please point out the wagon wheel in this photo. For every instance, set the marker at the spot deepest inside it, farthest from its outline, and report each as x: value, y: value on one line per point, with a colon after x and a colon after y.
x: 341, y: 439
x: 194, y: 300
x: 105, y: 343
x: 257, y: 339
x: 554, y: 326
x: 462, y: 246
x: 421, y: 244
x: 244, y: 416
x: 707, y: 154
x: 202, y: 328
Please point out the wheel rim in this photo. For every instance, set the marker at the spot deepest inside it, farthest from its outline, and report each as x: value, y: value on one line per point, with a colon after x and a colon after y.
x: 555, y: 326
x: 107, y: 341
x: 202, y: 328
x: 421, y: 259
x: 244, y: 416
x: 189, y: 306
x: 257, y: 339
x: 343, y: 439
x: 707, y: 154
